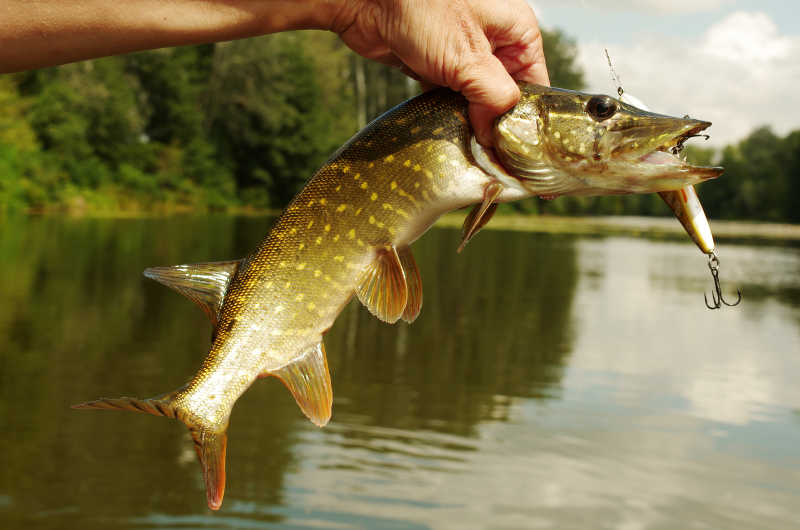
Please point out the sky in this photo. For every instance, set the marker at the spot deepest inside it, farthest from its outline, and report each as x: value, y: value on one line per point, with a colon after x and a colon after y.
x: 735, y: 63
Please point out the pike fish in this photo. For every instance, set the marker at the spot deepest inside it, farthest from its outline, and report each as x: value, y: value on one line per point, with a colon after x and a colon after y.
x: 348, y: 232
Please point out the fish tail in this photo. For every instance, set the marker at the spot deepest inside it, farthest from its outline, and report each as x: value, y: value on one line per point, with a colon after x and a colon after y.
x: 209, y: 445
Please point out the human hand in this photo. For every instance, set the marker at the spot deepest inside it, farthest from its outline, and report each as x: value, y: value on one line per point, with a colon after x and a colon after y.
x: 476, y: 47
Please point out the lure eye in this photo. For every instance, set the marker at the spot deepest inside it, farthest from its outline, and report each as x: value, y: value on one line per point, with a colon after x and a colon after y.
x: 601, y: 107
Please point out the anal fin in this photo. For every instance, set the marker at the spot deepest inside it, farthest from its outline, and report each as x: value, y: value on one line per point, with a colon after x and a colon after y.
x: 413, y: 284
x: 309, y: 381
x: 382, y: 287
x: 481, y: 213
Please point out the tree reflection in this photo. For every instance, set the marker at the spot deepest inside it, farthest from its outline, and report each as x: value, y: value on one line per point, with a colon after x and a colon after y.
x: 495, y: 323
x: 79, y: 321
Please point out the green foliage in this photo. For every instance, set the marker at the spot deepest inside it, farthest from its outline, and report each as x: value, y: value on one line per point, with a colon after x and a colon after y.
x: 269, y: 114
x: 561, y: 53
x: 248, y: 122
x: 760, y: 179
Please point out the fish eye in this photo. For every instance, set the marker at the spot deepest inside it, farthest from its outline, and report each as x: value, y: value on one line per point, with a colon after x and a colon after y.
x: 601, y: 107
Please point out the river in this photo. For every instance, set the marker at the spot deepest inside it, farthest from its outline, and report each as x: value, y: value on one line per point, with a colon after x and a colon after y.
x: 551, y: 381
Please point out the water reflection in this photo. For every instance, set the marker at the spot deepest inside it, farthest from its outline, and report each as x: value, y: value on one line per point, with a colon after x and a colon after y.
x: 550, y: 381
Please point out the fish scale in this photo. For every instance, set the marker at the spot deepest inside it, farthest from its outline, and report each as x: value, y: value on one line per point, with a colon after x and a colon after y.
x: 349, y: 230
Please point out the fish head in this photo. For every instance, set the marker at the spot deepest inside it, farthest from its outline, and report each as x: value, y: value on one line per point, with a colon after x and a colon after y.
x: 563, y: 142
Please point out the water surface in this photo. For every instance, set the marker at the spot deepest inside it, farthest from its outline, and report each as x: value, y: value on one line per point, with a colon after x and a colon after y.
x: 549, y: 382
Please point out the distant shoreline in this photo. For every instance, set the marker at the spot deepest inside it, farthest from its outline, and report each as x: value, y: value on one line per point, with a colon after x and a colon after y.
x: 653, y: 227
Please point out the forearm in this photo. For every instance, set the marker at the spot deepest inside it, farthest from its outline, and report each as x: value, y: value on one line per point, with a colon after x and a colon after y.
x: 37, y: 33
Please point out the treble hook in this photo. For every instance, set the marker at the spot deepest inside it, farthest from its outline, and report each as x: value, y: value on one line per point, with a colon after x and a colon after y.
x: 713, y: 265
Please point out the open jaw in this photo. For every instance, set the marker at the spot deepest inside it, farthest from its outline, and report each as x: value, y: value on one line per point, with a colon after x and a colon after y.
x: 671, y: 155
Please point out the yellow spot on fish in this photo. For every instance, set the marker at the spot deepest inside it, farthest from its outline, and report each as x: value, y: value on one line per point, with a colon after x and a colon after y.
x: 310, y: 224
x: 416, y: 167
x: 360, y: 243
x: 364, y: 185
x: 310, y: 203
x: 327, y: 278
x: 438, y: 130
x: 357, y: 176
x: 311, y: 306
x: 339, y: 187
x: 392, y: 231
x: 374, y: 196
x: 338, y: 258
x: 371, y: 164
x: 428, y: 174
x: 323, y: 201
x: 358, y: 211
x: 282, y: 264
x: 327, y: 228
x: 318, y: 241
x: 301, y: 246
x: 268, y: 285
x: 393, y: 185
x: 372, y: 219
x: 293, y: 231
x: 415, y: 130
x: 426, y: 195
x: 301, y: 266
x: 387, y: 206
x: 345, y: 169
x: 351, y: 234
x: 416, y: 184
x: 317, y: 273
x: 380, y: 224
x: 389, y: 158
x: 342, y: 207
x: 402, y: 213
x: 407, y: 163
x: 336, y: 237
x: 287, y: 285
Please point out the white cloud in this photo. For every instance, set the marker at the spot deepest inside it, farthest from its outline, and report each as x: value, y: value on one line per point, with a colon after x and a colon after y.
x: 646, y: 6
x: 740, y: 73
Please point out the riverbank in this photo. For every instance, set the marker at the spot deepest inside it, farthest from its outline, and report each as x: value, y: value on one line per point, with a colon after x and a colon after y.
x: 654, y: 227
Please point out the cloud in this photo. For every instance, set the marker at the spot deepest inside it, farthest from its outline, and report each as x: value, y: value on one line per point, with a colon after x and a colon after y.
x: 741, y: 73
x: 646, y: 6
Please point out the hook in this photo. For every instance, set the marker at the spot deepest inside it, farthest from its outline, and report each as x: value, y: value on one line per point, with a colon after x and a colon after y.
x: 716, y: 296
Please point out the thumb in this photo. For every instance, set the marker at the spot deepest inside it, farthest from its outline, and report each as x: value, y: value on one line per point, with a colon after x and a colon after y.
x: 490, y: 91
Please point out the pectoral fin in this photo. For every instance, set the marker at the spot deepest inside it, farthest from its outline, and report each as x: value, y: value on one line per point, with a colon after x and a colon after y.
x: 309, y: 381
x: 413, y: 284
x: 382, y: 287
x: 204, y: 284
x: 481, y: 213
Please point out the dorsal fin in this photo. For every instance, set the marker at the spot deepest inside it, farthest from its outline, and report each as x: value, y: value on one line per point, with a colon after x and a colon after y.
x: 204, y: 284
x: 382, y: 287
x: 309, y: 381
x: 481, y: 213
x: 413, y: 284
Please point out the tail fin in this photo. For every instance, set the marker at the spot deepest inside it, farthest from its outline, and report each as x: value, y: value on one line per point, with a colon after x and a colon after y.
x: 210, y: 446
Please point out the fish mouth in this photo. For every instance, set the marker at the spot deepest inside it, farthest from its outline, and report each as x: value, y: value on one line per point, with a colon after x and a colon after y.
x: 671, y: 155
